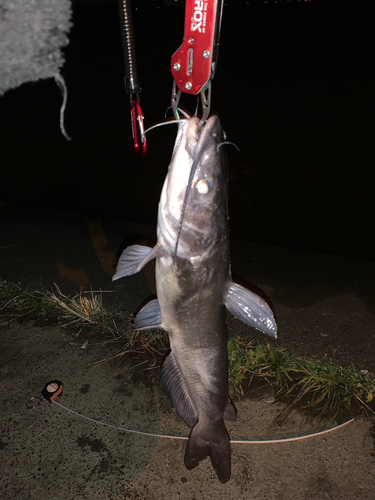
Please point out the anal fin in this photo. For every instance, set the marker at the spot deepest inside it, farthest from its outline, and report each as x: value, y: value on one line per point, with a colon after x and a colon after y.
x: 175, y: 387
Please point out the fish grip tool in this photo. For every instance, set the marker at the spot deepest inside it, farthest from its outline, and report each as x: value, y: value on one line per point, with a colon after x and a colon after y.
x: 132, y: 85
x: 194, y: 64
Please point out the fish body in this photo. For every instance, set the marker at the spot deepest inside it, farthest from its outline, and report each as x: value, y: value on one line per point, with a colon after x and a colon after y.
x: 194, y: 287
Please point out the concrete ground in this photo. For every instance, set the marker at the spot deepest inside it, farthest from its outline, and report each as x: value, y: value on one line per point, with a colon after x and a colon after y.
x: 324, y: 305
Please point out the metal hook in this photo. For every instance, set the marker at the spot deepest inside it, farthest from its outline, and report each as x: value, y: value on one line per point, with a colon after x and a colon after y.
x: 206, y: 103
x: 34, y: 401
x: 176, y: 94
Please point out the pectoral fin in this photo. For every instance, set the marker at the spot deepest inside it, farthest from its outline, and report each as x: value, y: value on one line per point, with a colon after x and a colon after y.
x: 149, y: 317
x: 251, y: 309
x: 133, y: 259
x: 175, y: 387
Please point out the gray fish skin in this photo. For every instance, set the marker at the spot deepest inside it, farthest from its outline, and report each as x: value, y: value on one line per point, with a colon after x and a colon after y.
x: 190, y: 289
x: 193, y: 288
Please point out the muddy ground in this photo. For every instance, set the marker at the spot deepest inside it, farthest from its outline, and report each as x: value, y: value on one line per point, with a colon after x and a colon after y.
x: 51, y: 453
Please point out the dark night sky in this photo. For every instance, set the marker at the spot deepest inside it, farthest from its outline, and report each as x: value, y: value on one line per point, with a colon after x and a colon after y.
x: 294, y: 90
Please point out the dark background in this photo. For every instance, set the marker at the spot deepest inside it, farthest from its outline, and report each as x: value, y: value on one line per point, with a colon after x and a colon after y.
x: 294, y: 90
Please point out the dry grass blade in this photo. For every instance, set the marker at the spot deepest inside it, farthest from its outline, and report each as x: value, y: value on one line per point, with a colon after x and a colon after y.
x: 80, y: 307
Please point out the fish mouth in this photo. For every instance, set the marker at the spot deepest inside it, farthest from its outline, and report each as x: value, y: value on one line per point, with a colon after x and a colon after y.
x: 197, y: 137
x: 197, y: 140
x: 194, y: 137
x: 211, y: 129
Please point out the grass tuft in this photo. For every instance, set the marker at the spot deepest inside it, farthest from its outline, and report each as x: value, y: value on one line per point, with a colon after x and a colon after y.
x: 18, y: 303
x: 322, y: 385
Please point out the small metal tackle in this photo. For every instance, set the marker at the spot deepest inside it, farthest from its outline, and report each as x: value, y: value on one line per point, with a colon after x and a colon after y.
x: 194, y: 64
x: 50, y: 392
x: 138, y: 129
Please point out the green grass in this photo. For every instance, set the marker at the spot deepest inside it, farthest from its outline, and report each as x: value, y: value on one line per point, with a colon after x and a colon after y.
x: 19, y: 303
x: 322, y: 385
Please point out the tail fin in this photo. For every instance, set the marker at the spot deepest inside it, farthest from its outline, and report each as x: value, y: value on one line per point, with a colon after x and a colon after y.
x: 212, y: 442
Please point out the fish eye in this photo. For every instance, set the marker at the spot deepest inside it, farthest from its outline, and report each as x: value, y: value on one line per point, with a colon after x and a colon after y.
x: 203, y: 186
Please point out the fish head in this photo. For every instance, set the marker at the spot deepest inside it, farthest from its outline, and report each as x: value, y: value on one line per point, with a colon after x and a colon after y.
x: 193, y: 213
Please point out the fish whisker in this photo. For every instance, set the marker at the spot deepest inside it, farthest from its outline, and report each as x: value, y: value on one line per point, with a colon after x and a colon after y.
x: 229, y: 143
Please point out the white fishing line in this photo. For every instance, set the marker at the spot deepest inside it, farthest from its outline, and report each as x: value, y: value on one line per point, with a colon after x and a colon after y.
x: 184, y: 113
x: 169, y: 122
x: 235, y: 441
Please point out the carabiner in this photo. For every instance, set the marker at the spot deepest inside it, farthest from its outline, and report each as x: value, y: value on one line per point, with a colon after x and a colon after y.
x: 136, y: 114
